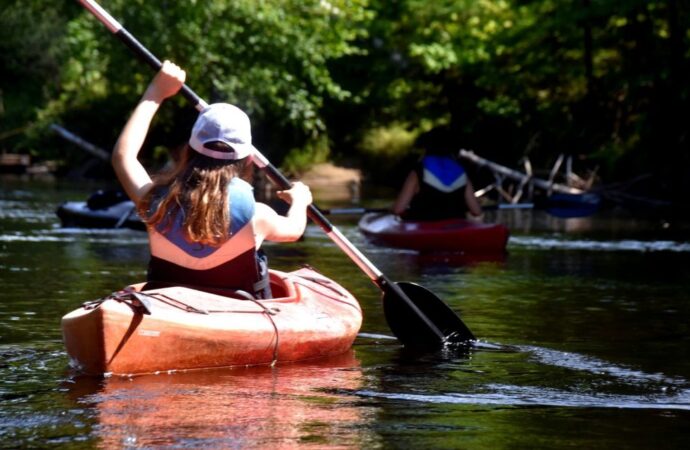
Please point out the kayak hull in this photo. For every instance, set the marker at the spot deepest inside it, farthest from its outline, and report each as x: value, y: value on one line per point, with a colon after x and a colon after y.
x: 310, y: 317
x: 451, y: 235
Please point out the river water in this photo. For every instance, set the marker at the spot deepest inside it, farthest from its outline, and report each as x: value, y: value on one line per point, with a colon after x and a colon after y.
x: 583, y: 334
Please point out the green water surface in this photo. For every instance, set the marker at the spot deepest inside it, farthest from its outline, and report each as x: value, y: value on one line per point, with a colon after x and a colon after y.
x: 583, y: 327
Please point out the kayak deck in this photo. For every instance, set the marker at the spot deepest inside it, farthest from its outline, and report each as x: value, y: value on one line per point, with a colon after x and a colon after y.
x: 178, y: 328
x: 450, y: 235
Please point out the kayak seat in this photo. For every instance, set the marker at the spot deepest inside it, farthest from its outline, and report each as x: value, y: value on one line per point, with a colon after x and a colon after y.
x: 232, y: 293
x: 277, y: 285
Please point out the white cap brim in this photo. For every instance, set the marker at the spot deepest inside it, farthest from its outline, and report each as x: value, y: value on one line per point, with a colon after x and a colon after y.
x: 226, y: 123
x: 239, y: 150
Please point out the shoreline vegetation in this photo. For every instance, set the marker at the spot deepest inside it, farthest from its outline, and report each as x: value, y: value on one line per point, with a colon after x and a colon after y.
x: 334, y: 184
x: 354, y: 84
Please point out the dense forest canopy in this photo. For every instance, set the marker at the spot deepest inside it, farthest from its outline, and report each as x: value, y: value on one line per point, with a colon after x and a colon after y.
x: 358, y: 80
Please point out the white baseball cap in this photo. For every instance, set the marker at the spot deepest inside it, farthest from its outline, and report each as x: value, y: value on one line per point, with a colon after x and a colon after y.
x: 225, y: 123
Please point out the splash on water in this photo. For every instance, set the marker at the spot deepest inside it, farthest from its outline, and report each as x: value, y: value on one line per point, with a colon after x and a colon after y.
x: 674, y: 392
x: 596, y: 366
x: 68, y: 235
x: 587, y: 244
x: 508, y: 395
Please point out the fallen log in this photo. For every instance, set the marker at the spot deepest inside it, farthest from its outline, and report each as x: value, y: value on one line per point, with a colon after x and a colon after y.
x: 81, y: 143
x: 523, y: 179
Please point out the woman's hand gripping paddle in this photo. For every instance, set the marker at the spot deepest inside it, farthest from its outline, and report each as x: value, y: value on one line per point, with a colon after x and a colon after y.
x: 417, y: 317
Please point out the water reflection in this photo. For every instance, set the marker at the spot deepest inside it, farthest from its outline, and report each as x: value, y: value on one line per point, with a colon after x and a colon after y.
x: 445, y: 259
x: 587, y: 323
x: 231, y: 408
x: 609, y: 224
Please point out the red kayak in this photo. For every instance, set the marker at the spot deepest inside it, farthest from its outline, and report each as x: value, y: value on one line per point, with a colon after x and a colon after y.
x: 179, y: 328
x: 451, y: 235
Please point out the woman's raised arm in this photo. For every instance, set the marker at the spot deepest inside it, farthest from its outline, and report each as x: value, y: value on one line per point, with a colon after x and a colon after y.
x: 133, y: 176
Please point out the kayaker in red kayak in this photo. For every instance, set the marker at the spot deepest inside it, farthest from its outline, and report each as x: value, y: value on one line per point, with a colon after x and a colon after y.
x: 205, y: 228
x: 438, y: 187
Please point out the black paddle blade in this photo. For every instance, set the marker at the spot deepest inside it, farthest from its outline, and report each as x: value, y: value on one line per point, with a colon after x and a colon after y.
x: 411, y: 329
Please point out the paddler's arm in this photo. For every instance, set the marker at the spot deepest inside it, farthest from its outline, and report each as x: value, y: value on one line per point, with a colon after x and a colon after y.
x: 132, y: 175
x: 471, y: 201
x: 409, y: 190
x: 272, y: 226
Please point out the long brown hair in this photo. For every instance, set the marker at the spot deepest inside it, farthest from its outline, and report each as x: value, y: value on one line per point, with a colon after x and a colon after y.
x: 197, y: 186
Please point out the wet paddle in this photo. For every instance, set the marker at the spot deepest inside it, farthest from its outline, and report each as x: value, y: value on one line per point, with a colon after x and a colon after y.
x: 416, y: 316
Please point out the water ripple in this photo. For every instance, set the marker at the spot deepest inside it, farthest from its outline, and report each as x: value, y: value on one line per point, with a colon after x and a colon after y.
x: 596, y: 366
x: 509, y: 395
x: 69, y: 235
x: 586, y: 244
x: 673, y: 393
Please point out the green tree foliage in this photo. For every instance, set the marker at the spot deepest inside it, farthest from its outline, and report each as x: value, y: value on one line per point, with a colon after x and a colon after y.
x: 606, y: 79
x: 270, y: 57
x: 515, y: 77
x: 31, y: 44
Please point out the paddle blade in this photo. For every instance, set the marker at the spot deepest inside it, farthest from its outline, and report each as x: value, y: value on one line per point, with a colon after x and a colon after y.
x: 411, y: 329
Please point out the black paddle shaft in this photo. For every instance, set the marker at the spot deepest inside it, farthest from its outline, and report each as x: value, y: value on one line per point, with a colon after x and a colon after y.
x: 394, y: 296
x: 150, y: 59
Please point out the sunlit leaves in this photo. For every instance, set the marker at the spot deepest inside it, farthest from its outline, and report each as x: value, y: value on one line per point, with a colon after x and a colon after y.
x: 576, y: 72
x: 270, y: 57
x: 435, y: 56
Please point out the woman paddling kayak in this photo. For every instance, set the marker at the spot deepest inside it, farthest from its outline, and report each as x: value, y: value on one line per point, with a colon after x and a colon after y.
x: 429, y: 214
x: 205, y: 228
x: 438, y: 187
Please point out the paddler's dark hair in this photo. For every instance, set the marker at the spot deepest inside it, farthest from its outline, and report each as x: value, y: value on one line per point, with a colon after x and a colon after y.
x: 437, y: 141
x: 198, y: 186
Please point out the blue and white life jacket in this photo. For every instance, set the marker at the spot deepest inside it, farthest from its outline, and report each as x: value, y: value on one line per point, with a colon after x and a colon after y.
x: 443, y: 173
x: 235, y: 264
x: 441, y: 195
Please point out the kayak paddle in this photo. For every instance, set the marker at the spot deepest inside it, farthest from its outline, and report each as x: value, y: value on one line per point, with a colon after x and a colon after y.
x: 416, y: 316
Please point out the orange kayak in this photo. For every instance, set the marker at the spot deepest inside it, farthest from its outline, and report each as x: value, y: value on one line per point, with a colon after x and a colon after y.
x: 179, y: 328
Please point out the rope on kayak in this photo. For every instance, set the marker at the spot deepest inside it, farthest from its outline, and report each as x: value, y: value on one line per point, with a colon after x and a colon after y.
x: 324, y: 282
x: 321, y: 282
x: 128, y: 296
x: 271, y: 312
x: 139, y: 302
x: 175, y: 303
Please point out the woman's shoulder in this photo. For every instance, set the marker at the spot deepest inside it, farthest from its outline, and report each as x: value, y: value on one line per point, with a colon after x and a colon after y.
x: 242, y: 192
x: 237, y: 183
x: 242, y: 203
